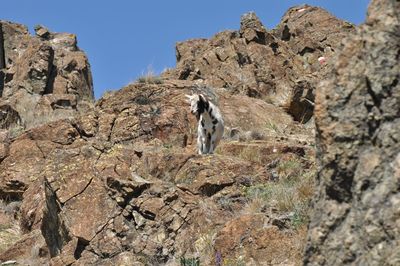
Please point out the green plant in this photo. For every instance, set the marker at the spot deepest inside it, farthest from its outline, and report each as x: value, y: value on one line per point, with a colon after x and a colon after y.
x: 190, y: 261
x: 167, y: 145
x: 150, y: 79
x: 272, y: 126
x: 15, y: 131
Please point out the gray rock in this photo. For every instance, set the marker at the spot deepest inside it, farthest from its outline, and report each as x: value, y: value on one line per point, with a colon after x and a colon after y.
x: 356, y: 212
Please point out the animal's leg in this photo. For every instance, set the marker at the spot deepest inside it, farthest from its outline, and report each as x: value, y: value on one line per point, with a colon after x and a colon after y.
x: 204, y: 145
x: 208, y: 143
x: 200, y: 145
x: 212, y: 143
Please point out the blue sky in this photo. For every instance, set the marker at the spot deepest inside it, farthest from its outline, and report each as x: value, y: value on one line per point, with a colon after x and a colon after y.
x: 125, y: 38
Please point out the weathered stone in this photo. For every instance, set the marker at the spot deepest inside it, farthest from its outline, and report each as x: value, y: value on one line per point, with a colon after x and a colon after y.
x: 47, y: 66
x: 34, y: 69
x: 248, y: 239
x: 122, y: 183
x: 9, y: 118
x: 356, y: 215
x: 28, y: 250
x: 274, y: 66
x: 42, y: 31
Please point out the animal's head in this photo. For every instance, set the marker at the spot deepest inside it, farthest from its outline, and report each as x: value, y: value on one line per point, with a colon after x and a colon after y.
x: 198, y: 104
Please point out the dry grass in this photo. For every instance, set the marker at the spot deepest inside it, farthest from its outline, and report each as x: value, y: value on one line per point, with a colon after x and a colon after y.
x: 9, y: 234
x: 251, y: 153
x: 9, y: 228
x: 150, y: 77
x: 204, y: 245
x: 150, y: 80
x: 291, y: 193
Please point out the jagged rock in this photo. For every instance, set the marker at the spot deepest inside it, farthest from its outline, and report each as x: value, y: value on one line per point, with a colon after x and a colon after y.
x: 312, y: 32
x: 122, y: 183
x: 267, y: 64
x: 9, y: 117
x: 126, y: 176
x: 47, y: 66
x: 356, y: 217
x: 42, y: 32
x: 31, y: 249
x: 15, y: 39
x: 252, y: 29
x: 34, y: 69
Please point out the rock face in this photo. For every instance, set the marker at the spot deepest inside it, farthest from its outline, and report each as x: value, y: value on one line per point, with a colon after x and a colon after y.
x: 44, y: 77
x: 123, y: 183
x: 356, y: 218
x: 279, y: 66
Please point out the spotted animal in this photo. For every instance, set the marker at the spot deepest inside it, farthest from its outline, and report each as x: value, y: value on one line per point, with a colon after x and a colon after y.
x: 210, y: 123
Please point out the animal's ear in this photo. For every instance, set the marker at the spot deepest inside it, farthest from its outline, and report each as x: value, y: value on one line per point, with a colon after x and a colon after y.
x: 202, y: 98
x: 188, y: 98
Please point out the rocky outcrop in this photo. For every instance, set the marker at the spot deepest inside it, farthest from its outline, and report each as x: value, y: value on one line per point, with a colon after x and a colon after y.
x: 312, y: 32
x: 279, y: 66
x: 124, y: 182
x: 44, y: 77
x: 356, y: 217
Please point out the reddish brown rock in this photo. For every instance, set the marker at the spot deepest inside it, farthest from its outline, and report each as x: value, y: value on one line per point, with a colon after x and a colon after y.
x: 123, y: 183
x: 250, y: 239
x: 43, y: 78
x: 274, y: 66
x: 312, y: 32
x: 127, y: 176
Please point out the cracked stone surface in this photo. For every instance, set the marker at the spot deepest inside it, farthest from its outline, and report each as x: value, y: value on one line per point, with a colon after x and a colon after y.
x: 122, y: 183
x: 356, y: 218
x: 279, y: 66
x: 127, y: 178
x: 43, y: 78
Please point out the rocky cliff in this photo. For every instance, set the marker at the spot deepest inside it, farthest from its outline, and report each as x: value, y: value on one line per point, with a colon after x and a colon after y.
x: 122, y: 184
x: 279, y: 66
x: 357, y: 210
x: 42, y: 78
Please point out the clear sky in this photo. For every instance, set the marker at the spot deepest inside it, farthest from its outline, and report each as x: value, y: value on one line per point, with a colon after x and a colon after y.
x: 125, y: 38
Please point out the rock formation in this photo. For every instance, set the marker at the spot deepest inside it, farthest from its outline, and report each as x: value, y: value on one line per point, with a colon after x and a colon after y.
x: 356, y: 217
x: 279, y: 66
x: 121, y: 183
x: 124, y: 182
x: 44, y: 77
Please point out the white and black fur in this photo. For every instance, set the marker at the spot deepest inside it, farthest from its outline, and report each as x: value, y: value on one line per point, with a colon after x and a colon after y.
x: 211, y: 125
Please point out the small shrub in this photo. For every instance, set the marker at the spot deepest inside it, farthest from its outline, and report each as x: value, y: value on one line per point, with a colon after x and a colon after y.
x: 190, y: 261
x: 15, y: 131
x: 150, y: 77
